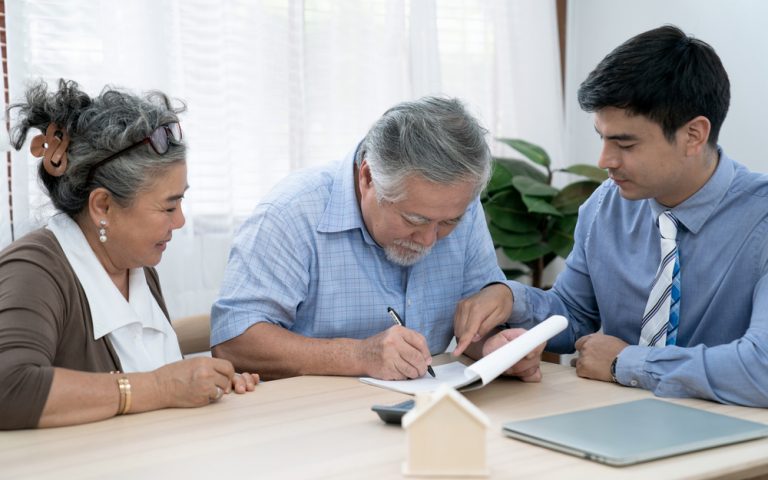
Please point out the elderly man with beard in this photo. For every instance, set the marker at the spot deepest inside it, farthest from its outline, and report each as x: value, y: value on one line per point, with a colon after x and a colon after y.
x: 397, y: 223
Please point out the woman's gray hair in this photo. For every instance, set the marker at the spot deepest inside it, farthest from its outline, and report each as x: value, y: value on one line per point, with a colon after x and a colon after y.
x: 98, y: 127
x: 433, y: 137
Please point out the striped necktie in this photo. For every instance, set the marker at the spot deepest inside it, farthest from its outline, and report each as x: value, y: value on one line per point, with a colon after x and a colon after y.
x: 662, y: 312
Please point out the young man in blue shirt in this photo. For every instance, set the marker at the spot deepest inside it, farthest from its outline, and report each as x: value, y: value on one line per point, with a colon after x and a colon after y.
x: 659, y: 100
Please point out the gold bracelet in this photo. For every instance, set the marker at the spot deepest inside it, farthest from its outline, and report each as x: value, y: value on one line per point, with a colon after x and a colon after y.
x: 125, y: 395
x: 121, y: 403
x: 127, y: 384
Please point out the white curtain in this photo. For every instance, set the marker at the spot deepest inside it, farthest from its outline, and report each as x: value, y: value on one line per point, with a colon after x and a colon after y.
x: 276, y: 85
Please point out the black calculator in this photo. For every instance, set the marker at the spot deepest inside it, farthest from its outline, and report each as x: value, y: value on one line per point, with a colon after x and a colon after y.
x: 393, y: 413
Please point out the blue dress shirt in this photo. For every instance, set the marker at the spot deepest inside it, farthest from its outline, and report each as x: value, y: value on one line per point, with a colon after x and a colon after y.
x: 722, y: 342
x: 305, y: 261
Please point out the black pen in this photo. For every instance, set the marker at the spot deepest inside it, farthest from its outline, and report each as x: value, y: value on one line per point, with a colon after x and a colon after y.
x: 399, y: 321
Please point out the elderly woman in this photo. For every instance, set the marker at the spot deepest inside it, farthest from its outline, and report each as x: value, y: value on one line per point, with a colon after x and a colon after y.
x: 84, y: 331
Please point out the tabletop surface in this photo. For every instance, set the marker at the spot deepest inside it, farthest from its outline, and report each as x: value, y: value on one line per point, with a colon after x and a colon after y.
x: 323, y: 427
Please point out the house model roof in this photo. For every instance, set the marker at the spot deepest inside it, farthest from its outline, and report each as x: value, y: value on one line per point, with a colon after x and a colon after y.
x: 443, y: 393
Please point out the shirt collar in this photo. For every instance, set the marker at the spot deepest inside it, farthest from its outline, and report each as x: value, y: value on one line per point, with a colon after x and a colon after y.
x: 342, y: 212
x: 694, y: 212
x: 109, y: 309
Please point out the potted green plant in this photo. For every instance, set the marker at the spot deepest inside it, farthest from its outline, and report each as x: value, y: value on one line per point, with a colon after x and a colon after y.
x: 530, y: 220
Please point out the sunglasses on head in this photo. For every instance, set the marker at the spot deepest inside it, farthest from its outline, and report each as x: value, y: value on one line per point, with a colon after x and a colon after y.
x: 160, y: 140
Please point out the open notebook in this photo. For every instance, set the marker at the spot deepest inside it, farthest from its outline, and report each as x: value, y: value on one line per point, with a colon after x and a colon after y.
x: 483, y: 371
x: 633, y: 432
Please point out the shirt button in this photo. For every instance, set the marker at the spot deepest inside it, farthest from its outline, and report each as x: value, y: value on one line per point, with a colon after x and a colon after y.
x: 409, y: 302
x: 633, y: 383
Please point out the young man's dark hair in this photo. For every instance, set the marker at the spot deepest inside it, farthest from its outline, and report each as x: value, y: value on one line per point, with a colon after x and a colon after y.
x: 664, y: 75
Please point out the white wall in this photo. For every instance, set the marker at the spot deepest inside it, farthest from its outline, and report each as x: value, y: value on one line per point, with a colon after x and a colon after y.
x: 737, y: 31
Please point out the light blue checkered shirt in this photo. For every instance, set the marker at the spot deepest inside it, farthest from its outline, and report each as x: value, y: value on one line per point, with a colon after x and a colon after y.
x: 304, y: 260
x: 722, y: 337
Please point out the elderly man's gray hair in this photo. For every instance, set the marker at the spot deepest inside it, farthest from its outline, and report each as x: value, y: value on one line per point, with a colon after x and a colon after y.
x: 434, y: 138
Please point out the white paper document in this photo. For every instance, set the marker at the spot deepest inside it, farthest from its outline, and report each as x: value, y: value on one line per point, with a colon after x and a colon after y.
x: 483, y: 371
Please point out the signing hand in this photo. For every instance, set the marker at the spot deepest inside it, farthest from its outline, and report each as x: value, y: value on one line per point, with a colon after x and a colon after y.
x: 477, y: 315
x: 526, y: 369
x: 596, y: 352
x: 395, y: 354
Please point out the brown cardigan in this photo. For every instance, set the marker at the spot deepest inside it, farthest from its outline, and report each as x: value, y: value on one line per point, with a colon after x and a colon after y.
x: 45, y: 322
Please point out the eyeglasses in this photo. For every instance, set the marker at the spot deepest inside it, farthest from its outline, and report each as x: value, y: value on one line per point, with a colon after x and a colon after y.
x: 160, y: 140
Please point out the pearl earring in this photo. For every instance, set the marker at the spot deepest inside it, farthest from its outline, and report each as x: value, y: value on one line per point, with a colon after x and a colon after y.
x: 103, y: 231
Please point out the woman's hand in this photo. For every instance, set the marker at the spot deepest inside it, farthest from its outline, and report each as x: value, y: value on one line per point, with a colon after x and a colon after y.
x: 244, y: 382
x: 199, y: 381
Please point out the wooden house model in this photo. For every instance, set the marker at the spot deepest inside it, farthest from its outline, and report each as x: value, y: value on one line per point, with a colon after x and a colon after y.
x: 446, y: 436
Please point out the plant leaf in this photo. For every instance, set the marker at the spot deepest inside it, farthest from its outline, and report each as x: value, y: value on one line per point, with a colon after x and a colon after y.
x: 513, y: 273
x: 519, y: 167
x: 509, y: 220
x: 538, y: 205
x: 500, y: 178
x: 506, y: 238
x: 507, y: 210
x: 526, y: 254
x: 561, y: 235
x: 545, y: 261
x: 572, y: 196
x: 532, y: 152
x: 534, y: 188
x: 508, y: 198
x: 590, y: 171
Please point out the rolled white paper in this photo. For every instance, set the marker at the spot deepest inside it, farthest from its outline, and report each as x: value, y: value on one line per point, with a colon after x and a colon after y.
x: 496, y: 362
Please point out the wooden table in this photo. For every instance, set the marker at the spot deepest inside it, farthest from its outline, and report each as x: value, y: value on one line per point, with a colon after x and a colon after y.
x: 322, y: 427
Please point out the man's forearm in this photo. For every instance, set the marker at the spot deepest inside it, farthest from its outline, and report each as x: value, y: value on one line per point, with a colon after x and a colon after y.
x: 274, y: 352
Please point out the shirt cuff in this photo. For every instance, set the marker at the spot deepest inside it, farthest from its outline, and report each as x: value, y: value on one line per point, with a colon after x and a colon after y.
x: 520, y: 306
x: 630, y: 368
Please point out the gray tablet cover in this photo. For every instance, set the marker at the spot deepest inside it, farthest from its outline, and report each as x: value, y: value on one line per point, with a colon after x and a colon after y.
x: 633, y: 432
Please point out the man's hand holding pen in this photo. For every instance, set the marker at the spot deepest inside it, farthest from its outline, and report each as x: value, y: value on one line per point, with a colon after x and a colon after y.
x: 397, y: 353
x: 399, y: 321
